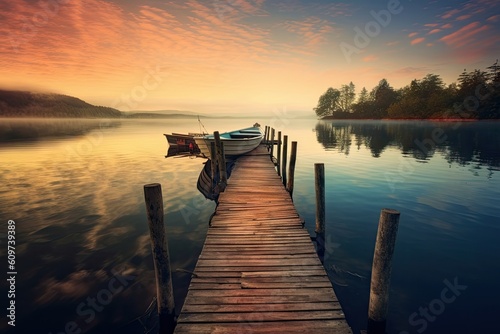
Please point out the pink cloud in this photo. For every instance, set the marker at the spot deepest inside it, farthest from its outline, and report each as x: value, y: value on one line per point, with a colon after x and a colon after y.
x: 392, y: 43
x: 450, y: 13
x: 417, y: 40
x: 464, y: 35
x: 434, y: 31
x: 413, y: 34
x: 494, y: 18
x: 447, y: 26
x: 431, y: 25
x: 463, y: 17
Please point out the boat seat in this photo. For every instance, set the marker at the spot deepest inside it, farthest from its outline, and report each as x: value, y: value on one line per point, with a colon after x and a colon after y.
x: 243, y: 135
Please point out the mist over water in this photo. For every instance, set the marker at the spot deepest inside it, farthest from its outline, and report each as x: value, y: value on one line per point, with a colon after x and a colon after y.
x: 74, y: 188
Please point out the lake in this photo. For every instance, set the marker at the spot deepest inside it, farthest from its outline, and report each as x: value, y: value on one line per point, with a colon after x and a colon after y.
x: 83, y: 259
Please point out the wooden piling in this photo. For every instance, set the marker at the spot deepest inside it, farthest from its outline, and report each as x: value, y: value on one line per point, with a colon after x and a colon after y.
x: 283, y: 164
x: 381, y: 270
x: 278, y: 157
x: 291, y: 169
x: 272, y: 143
x: 223, y: 171
x: 267, y: 137
x: 213, y: 162
x: 221, y: 161
x: 159, y: 247
x: 319, y: 177
x: 265, y: 133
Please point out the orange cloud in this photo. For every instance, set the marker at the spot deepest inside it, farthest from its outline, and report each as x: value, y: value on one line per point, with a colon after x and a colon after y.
x: 413, y: 34
x: 370, y: 58
x: 434, y: 31
x: 447, y: 26
x: 417, y: 40
x: 431, y: 25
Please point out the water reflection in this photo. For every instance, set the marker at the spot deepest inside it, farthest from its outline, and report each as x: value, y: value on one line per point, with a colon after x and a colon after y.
x: 463, y: 143
x: 37, y: 129
x: 208, y: 184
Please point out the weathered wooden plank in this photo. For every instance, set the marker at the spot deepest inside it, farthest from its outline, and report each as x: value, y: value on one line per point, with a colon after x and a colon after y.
x: 293, y: 327
x: 260, y: 316
x: 319, y: 306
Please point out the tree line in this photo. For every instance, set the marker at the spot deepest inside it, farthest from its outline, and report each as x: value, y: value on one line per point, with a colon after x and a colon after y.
x: 475, y: 95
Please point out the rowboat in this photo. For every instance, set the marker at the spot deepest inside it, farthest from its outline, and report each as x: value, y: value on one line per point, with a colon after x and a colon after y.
x: 236, y: 142
x: 182, y: 142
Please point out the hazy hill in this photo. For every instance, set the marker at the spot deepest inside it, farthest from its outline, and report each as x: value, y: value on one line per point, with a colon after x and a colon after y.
x: 27, y: 104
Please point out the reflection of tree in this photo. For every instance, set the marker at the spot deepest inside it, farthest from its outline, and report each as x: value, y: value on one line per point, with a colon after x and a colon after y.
x: 24, y: 129
x: 462, y: 143
x: 334, y: 137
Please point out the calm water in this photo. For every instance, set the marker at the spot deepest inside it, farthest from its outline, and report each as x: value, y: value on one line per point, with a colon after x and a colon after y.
x: 74, y: 189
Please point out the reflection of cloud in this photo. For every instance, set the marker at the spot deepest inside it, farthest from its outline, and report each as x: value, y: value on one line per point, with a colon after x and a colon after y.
x: 77, y: 285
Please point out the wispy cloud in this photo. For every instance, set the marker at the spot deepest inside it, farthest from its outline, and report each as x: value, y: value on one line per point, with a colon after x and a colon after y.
x: 434, y: 31
x: 464, y: 17
x: 370, y: 58
x: 494, y: 18
x: 413, y: 34
x: 417, y: 40
x: 465, y: 35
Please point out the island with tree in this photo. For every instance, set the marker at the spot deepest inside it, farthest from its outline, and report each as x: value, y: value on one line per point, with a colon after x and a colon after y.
x: 475, y: 96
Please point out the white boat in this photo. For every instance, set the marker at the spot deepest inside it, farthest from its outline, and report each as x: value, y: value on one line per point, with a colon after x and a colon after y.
x: 235, y: 142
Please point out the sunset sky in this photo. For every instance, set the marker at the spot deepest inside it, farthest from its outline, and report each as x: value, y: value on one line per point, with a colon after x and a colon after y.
x: 237, y: 56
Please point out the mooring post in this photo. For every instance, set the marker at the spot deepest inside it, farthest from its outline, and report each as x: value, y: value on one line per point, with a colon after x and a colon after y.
x: 381, y: 271
x: 283, y: 164
x: 272, y: 143
x: 213, y: 163
x: 319, y: 177
x: 267, y: 137
x: 278, y: 157
x: 161, y: 258
x: 265, y: 133
x: 223, y: 171
x: 291, y: 169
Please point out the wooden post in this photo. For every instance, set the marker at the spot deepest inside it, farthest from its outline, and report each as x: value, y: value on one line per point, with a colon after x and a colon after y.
x: 213, y: 163
x: 222, y: 167
x: 283, y: 165
x: 291, y: 169
x: 272, y: 143
x: 278, y: 157
x: 381, y: 270
x: 265, y: 134
x: 319, y: 176
x: 161, y: 258
x: 267, y: 137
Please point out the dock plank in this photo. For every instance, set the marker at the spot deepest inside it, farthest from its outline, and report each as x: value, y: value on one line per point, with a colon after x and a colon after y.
x: 258, y: 271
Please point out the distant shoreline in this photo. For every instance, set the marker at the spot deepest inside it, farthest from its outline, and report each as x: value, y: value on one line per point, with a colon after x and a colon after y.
x: 444, y: 120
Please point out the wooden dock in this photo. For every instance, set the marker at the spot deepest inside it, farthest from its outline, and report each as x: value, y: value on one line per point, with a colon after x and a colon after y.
x: 258, y: 271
